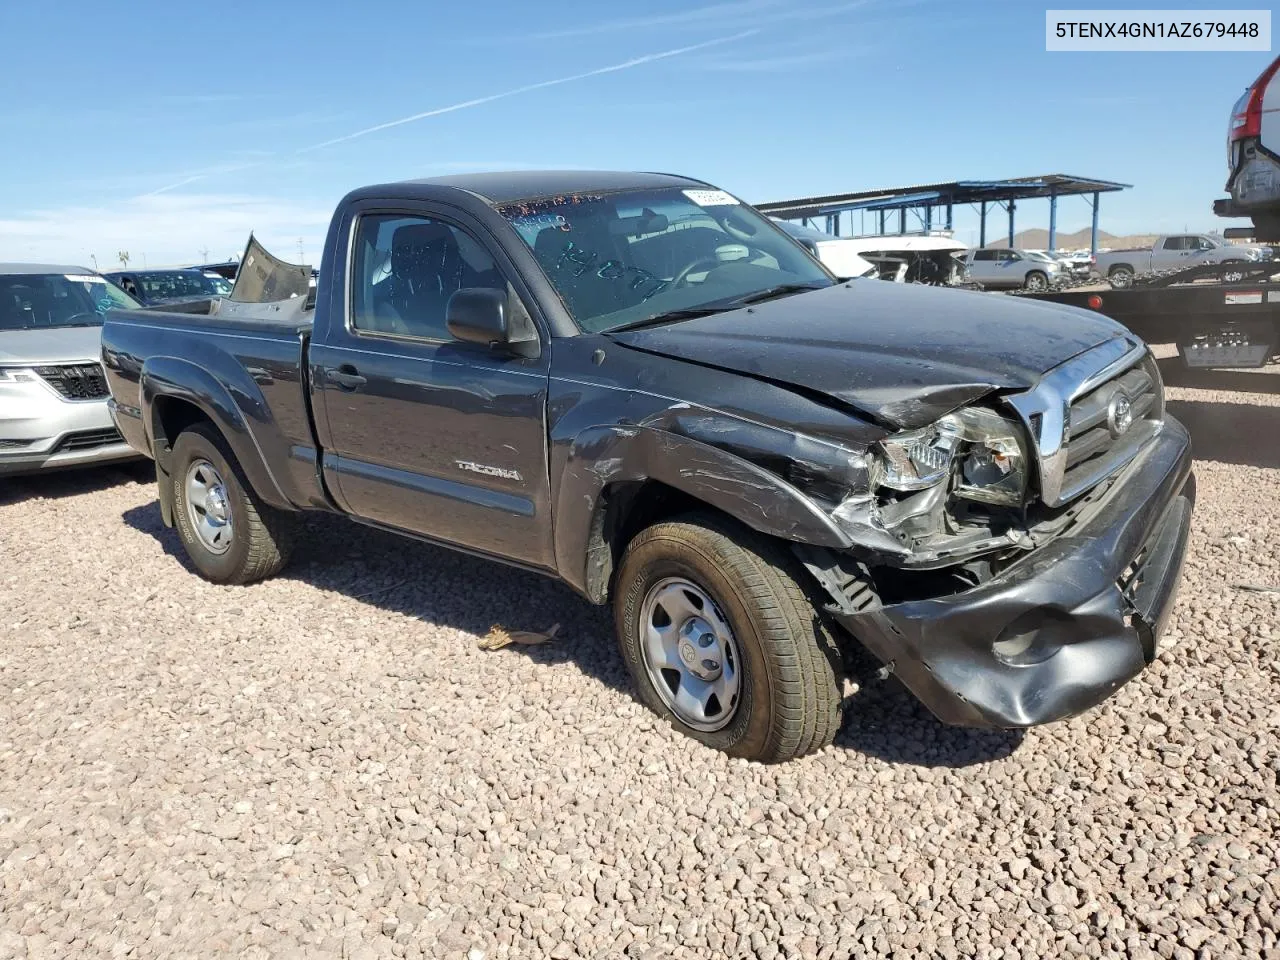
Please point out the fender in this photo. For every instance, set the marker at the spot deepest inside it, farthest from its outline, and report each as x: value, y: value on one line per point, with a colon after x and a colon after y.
x: 184, y: 380
x: 604, y: 455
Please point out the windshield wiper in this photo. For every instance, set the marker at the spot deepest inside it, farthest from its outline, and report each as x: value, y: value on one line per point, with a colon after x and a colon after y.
x: 671, y: 316
x: 780, y: 290
x: 719, y: 306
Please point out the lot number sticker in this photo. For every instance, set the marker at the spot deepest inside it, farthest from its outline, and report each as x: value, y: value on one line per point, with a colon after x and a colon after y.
x: 710, y: 198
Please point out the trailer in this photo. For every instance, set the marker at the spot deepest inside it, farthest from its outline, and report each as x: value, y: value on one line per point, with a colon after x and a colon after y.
x: 1220, y: 316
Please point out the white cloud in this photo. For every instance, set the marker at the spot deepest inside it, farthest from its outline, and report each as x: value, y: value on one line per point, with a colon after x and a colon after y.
x: 163, y: 229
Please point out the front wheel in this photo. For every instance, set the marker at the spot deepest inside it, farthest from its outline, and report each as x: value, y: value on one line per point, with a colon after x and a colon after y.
x: 1036, y: 282
x: 230, y: 536
x: 722, y: 641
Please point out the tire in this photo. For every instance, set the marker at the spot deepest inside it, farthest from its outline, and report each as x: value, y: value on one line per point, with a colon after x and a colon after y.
x: 787, y: 701
x: 1230, y: 275
x: 1121, y: 276
x: 1035, y: 281
x: 257, y: 538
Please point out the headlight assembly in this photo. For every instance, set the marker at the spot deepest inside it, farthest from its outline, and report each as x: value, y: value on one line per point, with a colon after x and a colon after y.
x: 993, y: 467
x: 918, y: 459
x: 989, y: 450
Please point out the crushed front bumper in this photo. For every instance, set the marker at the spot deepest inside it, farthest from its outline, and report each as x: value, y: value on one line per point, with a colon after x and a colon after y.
x: 1073, y: 620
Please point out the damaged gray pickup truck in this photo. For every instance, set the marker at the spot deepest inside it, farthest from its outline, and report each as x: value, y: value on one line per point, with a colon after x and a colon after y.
x: 638, y: 384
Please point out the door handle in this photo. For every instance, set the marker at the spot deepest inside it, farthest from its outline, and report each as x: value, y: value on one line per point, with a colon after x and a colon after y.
x: 346, y: 377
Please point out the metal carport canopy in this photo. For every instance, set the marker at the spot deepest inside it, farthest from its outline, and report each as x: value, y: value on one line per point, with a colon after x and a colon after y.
x: 924, y: 197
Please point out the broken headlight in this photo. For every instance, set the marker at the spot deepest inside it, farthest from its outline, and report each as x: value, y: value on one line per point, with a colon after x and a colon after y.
x: 988, y: 449
x: 993, y: 465
x: 917, y: 459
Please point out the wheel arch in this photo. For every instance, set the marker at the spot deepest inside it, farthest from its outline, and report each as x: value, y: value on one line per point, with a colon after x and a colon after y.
x: 176, y: 393
x: 618, y: 480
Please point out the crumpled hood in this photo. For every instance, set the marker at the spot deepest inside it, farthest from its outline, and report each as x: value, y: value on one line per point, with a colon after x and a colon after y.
x: 53, y: 345
x: 902, y: 354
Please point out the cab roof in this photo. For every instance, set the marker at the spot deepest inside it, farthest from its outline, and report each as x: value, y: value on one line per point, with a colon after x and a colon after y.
x: 498, y: 188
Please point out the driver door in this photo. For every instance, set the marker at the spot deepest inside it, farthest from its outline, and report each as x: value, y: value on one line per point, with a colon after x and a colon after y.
x: 422, y: 432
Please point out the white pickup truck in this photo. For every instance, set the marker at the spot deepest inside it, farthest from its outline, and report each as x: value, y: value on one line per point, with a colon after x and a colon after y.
x: 1172, y: 252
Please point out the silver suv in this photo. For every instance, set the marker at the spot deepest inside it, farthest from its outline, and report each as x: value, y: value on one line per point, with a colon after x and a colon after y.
x: 53, y: 394
x: 1009, y: 269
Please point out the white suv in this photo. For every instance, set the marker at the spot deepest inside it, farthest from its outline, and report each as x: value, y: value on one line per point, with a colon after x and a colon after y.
x: 53, y: 393
x: 1009, y: 269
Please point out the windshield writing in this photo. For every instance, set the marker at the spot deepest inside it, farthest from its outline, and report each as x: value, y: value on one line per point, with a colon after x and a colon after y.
x: 623, y: 258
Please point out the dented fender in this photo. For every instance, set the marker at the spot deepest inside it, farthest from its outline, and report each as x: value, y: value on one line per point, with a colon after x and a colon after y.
x: 605, y: 455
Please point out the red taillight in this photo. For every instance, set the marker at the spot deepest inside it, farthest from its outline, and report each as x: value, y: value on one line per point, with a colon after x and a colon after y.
x: 1095, y: 302
x: 1246, y: 119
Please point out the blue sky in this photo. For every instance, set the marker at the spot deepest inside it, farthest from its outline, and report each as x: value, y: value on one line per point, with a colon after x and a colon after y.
x: 167, y: 133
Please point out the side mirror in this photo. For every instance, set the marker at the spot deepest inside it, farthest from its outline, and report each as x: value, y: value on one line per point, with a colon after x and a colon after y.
x: 484, y: 315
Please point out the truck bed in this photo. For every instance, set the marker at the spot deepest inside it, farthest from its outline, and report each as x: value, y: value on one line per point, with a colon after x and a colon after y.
x: 251, y: 356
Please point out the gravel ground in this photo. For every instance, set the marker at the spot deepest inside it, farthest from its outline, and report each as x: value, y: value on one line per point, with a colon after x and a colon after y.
x: 325, y: 765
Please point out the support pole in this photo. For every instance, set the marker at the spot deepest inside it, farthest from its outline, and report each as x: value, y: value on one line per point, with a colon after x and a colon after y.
x: 982, y: 224
x: 882, y: 223
x: 902, y: 219
x: 1011, y: 206
x: 1053, y: 222
x: 1093, y: 233
x: 949, y: 227
x: 928, y: 218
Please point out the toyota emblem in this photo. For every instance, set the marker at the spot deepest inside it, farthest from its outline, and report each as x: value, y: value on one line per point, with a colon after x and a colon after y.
x: 1119, y: 414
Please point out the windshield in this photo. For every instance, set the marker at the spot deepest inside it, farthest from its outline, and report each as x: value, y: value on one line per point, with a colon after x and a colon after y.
x: 1037, y: 255
x: 179, y: 283
x: 621, y: 258
x: 35, y: 301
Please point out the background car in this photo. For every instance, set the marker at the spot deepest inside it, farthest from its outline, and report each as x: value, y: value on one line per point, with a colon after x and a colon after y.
x: 908, y: 258
x: 153, y: 287
x: 1078, y: 266
x: 837, y: 254
x: 53, y: 392
x: 996, y: 268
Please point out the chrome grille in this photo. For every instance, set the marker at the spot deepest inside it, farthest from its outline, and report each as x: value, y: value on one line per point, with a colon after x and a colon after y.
x: 1096, y: 444
x: 1075, y: 427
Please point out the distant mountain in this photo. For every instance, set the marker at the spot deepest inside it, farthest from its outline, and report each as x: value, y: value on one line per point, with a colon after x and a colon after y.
x: 1038, y: 239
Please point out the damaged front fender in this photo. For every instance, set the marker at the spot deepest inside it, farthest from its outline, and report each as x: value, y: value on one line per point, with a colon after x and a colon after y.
x: 601, y: 457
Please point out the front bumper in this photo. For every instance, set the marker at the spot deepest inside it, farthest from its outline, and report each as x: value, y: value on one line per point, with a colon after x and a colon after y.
x: 40, y: 430
x: 1089, y: 608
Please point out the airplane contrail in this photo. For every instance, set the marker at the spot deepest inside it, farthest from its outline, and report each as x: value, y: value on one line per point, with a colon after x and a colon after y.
x: 625, y: 65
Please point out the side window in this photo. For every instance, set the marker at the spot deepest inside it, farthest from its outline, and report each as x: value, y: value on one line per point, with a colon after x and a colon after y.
x: 1175, y: 243
x: 405, y: 269
x: 984, y: 255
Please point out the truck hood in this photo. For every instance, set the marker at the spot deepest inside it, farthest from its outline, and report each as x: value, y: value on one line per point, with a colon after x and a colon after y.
x: 901, y: 354
x: 54, y: 345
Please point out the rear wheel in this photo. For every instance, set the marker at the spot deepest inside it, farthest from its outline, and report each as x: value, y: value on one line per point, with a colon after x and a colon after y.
x: 722, y: 641
x: 230, y: 536
x: 1121, y: 276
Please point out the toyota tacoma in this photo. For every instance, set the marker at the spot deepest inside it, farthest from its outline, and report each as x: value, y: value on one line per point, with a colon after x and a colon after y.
x: 642, y: 386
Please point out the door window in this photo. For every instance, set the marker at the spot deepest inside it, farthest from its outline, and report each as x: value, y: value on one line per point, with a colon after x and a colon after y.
x: 1177, y: 243
x: 405, y: 269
